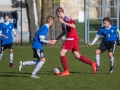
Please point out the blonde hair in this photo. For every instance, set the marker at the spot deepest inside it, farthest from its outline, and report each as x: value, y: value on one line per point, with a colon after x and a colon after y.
x: 49, y: 18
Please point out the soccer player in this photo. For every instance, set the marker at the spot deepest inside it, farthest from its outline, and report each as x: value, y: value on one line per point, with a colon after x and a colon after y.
x: 37, y: 46
x: 71, y: 42
x: 7, y: 29
x: 109, y: 33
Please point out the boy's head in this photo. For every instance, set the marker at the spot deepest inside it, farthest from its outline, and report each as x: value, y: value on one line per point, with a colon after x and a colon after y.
x: 60, y: 12
x: 6, y: 17
x: 50, y: 20
x: 106, y: 22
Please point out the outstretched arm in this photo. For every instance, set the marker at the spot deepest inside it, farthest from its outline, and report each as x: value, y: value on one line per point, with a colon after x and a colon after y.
x: 54, y: 41
x: 42, y: 39
x: 95, y: 39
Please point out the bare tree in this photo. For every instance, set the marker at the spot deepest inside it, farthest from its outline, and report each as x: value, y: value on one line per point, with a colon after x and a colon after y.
x: 39, y: 9
x: 46, y: 10
x: 31, y: 18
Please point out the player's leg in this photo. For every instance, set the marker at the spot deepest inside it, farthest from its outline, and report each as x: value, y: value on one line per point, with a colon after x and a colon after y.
x: 64, y: 62
x: 11, y: 57
x: 97, y: 58
x: 41, y: 58
x: 10, y: 46
x: 82, y: 58
x: 1, y: 54
x: 2, y: 51
x: 111, y: 50
x: 32, y: 62
x: 23, y: 63
x: 85, y: 60
x: 101, y: 48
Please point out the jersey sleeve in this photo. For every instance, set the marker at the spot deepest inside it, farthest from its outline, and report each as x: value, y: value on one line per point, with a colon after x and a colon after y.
x: 71, y: 21
x: 99, y: 32
x: 43, y: 30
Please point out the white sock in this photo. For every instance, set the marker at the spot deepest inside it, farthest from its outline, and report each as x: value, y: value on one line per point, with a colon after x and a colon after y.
x: 97, y: 59
x: 11, y: 57
x: 30, y: 62
x: 37, y: 68
x: 1, y: 54
x: 112, y: 61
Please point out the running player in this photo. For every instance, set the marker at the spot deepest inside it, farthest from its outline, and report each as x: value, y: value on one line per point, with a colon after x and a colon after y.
x: 37, y: 47
x: 7, y: 29
x: 109, y: 33
x: 71, y: 42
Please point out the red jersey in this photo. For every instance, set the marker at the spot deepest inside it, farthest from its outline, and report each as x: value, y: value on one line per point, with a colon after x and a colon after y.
x: 69, y: 31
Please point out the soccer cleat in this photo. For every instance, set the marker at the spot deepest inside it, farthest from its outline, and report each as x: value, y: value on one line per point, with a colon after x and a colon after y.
x: 97, y: 68
x: 111, y: 69
x: 94, y: 67
x: 20, y: 65
x: 64, y: 73
x: 34, y: 76
x: 12, y: 65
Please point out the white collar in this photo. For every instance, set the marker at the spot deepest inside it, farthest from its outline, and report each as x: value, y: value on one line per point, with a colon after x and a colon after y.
x: 109, y: 27
x: 6, y: 22
x: 47, y: 25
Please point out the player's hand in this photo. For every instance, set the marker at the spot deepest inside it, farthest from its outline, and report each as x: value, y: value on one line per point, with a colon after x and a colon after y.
x: 61, y: 20
x: 5, y: 37
x: 49, y: 41
x: 17, y: 40
x: 54, y: 41
x: 89, y: 45
x: 58, y: 14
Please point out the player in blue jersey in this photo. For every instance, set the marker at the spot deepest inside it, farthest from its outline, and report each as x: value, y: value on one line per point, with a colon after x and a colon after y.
x: 7, y: 28
x: 109, y: 33
x: 37, y: 46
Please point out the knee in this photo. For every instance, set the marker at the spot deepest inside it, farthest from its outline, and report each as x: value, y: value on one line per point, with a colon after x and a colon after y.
x: 97, y: 52
x: 62, y: 53
x: 110, y: 55
x: 42, y: 59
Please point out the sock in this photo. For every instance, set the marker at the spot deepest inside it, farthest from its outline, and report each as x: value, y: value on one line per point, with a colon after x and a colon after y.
x: 64, y: 62
x: 85, y: 60
x: 1, y: 54
x: 112, y: 61
x: 37, y: 68
x: 11, y: 57
x: 30, y: 62
x: 97, y: 59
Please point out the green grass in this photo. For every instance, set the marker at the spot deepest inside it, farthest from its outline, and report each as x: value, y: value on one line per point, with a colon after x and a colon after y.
x: 81, y: 77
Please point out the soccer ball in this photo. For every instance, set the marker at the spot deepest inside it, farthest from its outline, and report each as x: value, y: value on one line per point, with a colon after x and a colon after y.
x: 57, y: 71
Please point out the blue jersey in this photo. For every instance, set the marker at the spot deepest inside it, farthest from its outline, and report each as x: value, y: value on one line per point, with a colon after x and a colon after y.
x: 36, y: 44
x: 6, y: 30
x: 109, y: 34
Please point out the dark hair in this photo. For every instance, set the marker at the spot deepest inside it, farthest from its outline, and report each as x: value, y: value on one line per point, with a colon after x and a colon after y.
x: 5, y: 15
x: 106, y: 19
x: 49, y: 18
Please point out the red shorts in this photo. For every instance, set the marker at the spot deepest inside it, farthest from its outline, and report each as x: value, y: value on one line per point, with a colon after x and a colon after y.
x: 70, y: 45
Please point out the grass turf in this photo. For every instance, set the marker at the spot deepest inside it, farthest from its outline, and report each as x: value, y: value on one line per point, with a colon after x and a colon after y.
x: 81, y: 77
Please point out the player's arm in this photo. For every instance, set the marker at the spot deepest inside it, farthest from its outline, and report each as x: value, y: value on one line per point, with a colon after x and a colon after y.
x: 118, y: 31
x: 3, y: 35
x: 54, y: 41
x: 14, y: 33
x: 68, y: 24
x: 42, y: 39
x: 94, y: 40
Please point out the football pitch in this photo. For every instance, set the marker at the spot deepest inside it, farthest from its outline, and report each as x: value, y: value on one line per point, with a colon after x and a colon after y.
x: 81, y: 77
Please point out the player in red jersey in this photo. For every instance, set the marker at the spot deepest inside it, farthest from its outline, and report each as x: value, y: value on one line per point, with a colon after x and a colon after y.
x: 71, y: 42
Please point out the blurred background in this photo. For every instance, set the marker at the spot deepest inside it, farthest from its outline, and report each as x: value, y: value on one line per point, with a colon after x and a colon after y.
x: 29, y: 15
